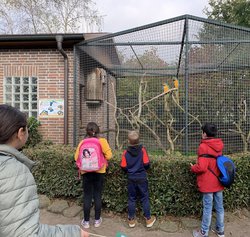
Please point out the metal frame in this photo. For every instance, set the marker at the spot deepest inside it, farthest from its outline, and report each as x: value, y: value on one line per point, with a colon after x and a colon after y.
x: 183, y: 67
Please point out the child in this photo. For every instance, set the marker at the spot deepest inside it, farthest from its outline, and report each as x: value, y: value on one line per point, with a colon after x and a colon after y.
x: 135, y: 162
x: 207, y: 182
x: 93, y: 181
x: 19, y: 209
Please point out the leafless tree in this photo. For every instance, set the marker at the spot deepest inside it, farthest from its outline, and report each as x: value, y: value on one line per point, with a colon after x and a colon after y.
x: 242, y: 126
x: 137, y: 119
x: 48, y: 16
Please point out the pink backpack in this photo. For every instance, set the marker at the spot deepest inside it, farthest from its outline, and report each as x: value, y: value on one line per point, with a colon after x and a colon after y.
x: 90, y: 158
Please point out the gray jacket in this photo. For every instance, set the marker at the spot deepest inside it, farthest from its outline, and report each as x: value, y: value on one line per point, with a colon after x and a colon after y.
x: 19, y: 203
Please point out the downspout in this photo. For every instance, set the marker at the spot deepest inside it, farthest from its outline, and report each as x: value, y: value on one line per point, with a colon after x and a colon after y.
x: 59, y: 40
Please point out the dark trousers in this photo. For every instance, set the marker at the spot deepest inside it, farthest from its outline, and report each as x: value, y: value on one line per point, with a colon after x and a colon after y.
x: 92, y: 189
x: 138, y: 188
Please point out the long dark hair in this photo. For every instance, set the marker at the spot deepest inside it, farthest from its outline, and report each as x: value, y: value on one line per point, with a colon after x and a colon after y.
x: 92, y: 130
x: 11, y: 120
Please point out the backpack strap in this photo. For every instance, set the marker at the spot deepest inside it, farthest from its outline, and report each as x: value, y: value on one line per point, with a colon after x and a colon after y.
x: 210, y: 156
x: 213, y: 172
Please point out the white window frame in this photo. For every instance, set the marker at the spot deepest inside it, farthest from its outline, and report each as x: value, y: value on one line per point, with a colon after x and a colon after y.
x: 24, y: 99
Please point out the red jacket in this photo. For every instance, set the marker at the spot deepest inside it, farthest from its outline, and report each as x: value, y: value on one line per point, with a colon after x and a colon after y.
x: 206, y: 180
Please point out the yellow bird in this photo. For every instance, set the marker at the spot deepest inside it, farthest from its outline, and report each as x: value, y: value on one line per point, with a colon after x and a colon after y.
x: 176, y: 86
x: 176, y: 83
x: 165, y: 87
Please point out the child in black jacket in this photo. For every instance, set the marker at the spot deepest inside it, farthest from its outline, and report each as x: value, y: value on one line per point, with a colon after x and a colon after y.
x: 135, y: 162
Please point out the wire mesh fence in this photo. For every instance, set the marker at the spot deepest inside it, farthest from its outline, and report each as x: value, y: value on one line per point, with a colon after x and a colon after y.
x: 171, y: 77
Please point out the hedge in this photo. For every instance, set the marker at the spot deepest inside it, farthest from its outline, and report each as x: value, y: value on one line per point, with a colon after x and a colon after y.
x: 172, y: 186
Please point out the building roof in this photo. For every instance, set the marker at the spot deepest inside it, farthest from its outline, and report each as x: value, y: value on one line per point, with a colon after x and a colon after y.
x: 43, y: 40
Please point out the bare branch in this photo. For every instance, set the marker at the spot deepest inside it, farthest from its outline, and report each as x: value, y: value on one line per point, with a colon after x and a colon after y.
x: 115, y: 111
x: 183, y: 129
x: 178, y: 105
x: 158, y: 140
x: 49, y: 16
x: 152, y: 99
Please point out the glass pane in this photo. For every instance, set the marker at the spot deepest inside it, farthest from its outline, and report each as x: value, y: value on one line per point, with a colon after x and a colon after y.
x: 25, y: 89
x: 17, y: 97
x: 17, y: 80
x: 8, y: 97
x: 34, y: 88
x: 34, y: 114
x: 26, y: 97
x: 34, y: 97
x: 17, y: 105
x: 8, y: 88
x: 17, y: 89
x: 25, y: 105
x: 9, y: 103
x: 34, y: 105
x: 8, y: 80
x: 34, y: 80
x: 25, y: 80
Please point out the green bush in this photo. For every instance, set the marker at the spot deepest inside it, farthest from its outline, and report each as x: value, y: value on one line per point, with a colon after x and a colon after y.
x: 172, y: 185
x: 55, y: 171
x: 34, y: 135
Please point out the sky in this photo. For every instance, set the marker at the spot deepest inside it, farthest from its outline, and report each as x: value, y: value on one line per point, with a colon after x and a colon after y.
x: 122, y: 15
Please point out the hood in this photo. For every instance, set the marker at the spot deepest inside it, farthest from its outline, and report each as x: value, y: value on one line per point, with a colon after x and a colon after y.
x: 11, y: 151
x: 214, y: 143
x: 134, y: 150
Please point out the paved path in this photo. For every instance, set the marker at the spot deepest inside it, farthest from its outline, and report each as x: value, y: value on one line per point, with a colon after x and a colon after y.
x: 236, y: 224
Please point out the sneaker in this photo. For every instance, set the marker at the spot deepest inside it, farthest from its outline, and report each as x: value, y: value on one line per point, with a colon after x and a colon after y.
x: 151, y: 221
x: 218, y: 233
x: 199, y: 233
x: 85, y: 224
x: 98, y: 222
x: 131, y: 223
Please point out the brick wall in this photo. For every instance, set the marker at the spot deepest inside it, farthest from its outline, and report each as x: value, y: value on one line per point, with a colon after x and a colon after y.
x: 48, y: 66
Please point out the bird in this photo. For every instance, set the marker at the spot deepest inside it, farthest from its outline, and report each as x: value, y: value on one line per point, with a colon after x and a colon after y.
x: 176, y: 86
x: 176, y: 83
x: 165, y: 88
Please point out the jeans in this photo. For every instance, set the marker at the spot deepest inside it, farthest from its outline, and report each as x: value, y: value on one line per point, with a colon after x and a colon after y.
x: 92, y: 188
x: 207, y: 211
x: 138, y: 187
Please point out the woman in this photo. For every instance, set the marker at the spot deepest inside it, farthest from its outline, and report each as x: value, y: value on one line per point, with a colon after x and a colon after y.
x: 19, y: 209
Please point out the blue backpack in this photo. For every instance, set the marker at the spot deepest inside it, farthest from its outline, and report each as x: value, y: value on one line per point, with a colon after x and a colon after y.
x: 227, y: 169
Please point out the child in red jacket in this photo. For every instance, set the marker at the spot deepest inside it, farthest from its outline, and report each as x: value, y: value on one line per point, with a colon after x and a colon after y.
x: 207, y: 182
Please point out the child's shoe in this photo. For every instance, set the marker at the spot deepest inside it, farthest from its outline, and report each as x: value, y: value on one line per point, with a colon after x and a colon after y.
x: 199, y: 233
x: 131, y: 223
x: 98, y: 222
x: 151, y: 221
x: 85, y: 224
x: 218, y: 233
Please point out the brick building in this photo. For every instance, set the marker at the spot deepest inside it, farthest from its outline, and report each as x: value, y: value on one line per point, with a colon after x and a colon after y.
x: 43, y: 76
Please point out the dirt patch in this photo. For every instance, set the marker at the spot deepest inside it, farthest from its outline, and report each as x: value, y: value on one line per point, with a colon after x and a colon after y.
x: 237, y: 224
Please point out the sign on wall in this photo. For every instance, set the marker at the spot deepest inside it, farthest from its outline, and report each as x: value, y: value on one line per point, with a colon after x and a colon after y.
x: 51, y: 108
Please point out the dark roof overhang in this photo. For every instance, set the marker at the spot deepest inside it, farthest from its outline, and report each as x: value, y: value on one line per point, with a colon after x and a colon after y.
x: 43, y: 40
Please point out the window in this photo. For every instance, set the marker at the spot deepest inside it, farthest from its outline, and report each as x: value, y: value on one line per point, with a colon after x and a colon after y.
x: 21, y: 93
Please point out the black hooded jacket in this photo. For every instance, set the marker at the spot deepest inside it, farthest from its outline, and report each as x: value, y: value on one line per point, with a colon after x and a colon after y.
x: 135, y: 162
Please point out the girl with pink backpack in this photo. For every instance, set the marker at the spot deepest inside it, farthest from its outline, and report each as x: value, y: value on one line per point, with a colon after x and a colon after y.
x: 91, y: 158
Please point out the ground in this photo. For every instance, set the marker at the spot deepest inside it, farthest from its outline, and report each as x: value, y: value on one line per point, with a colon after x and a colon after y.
x: 237, y: 224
